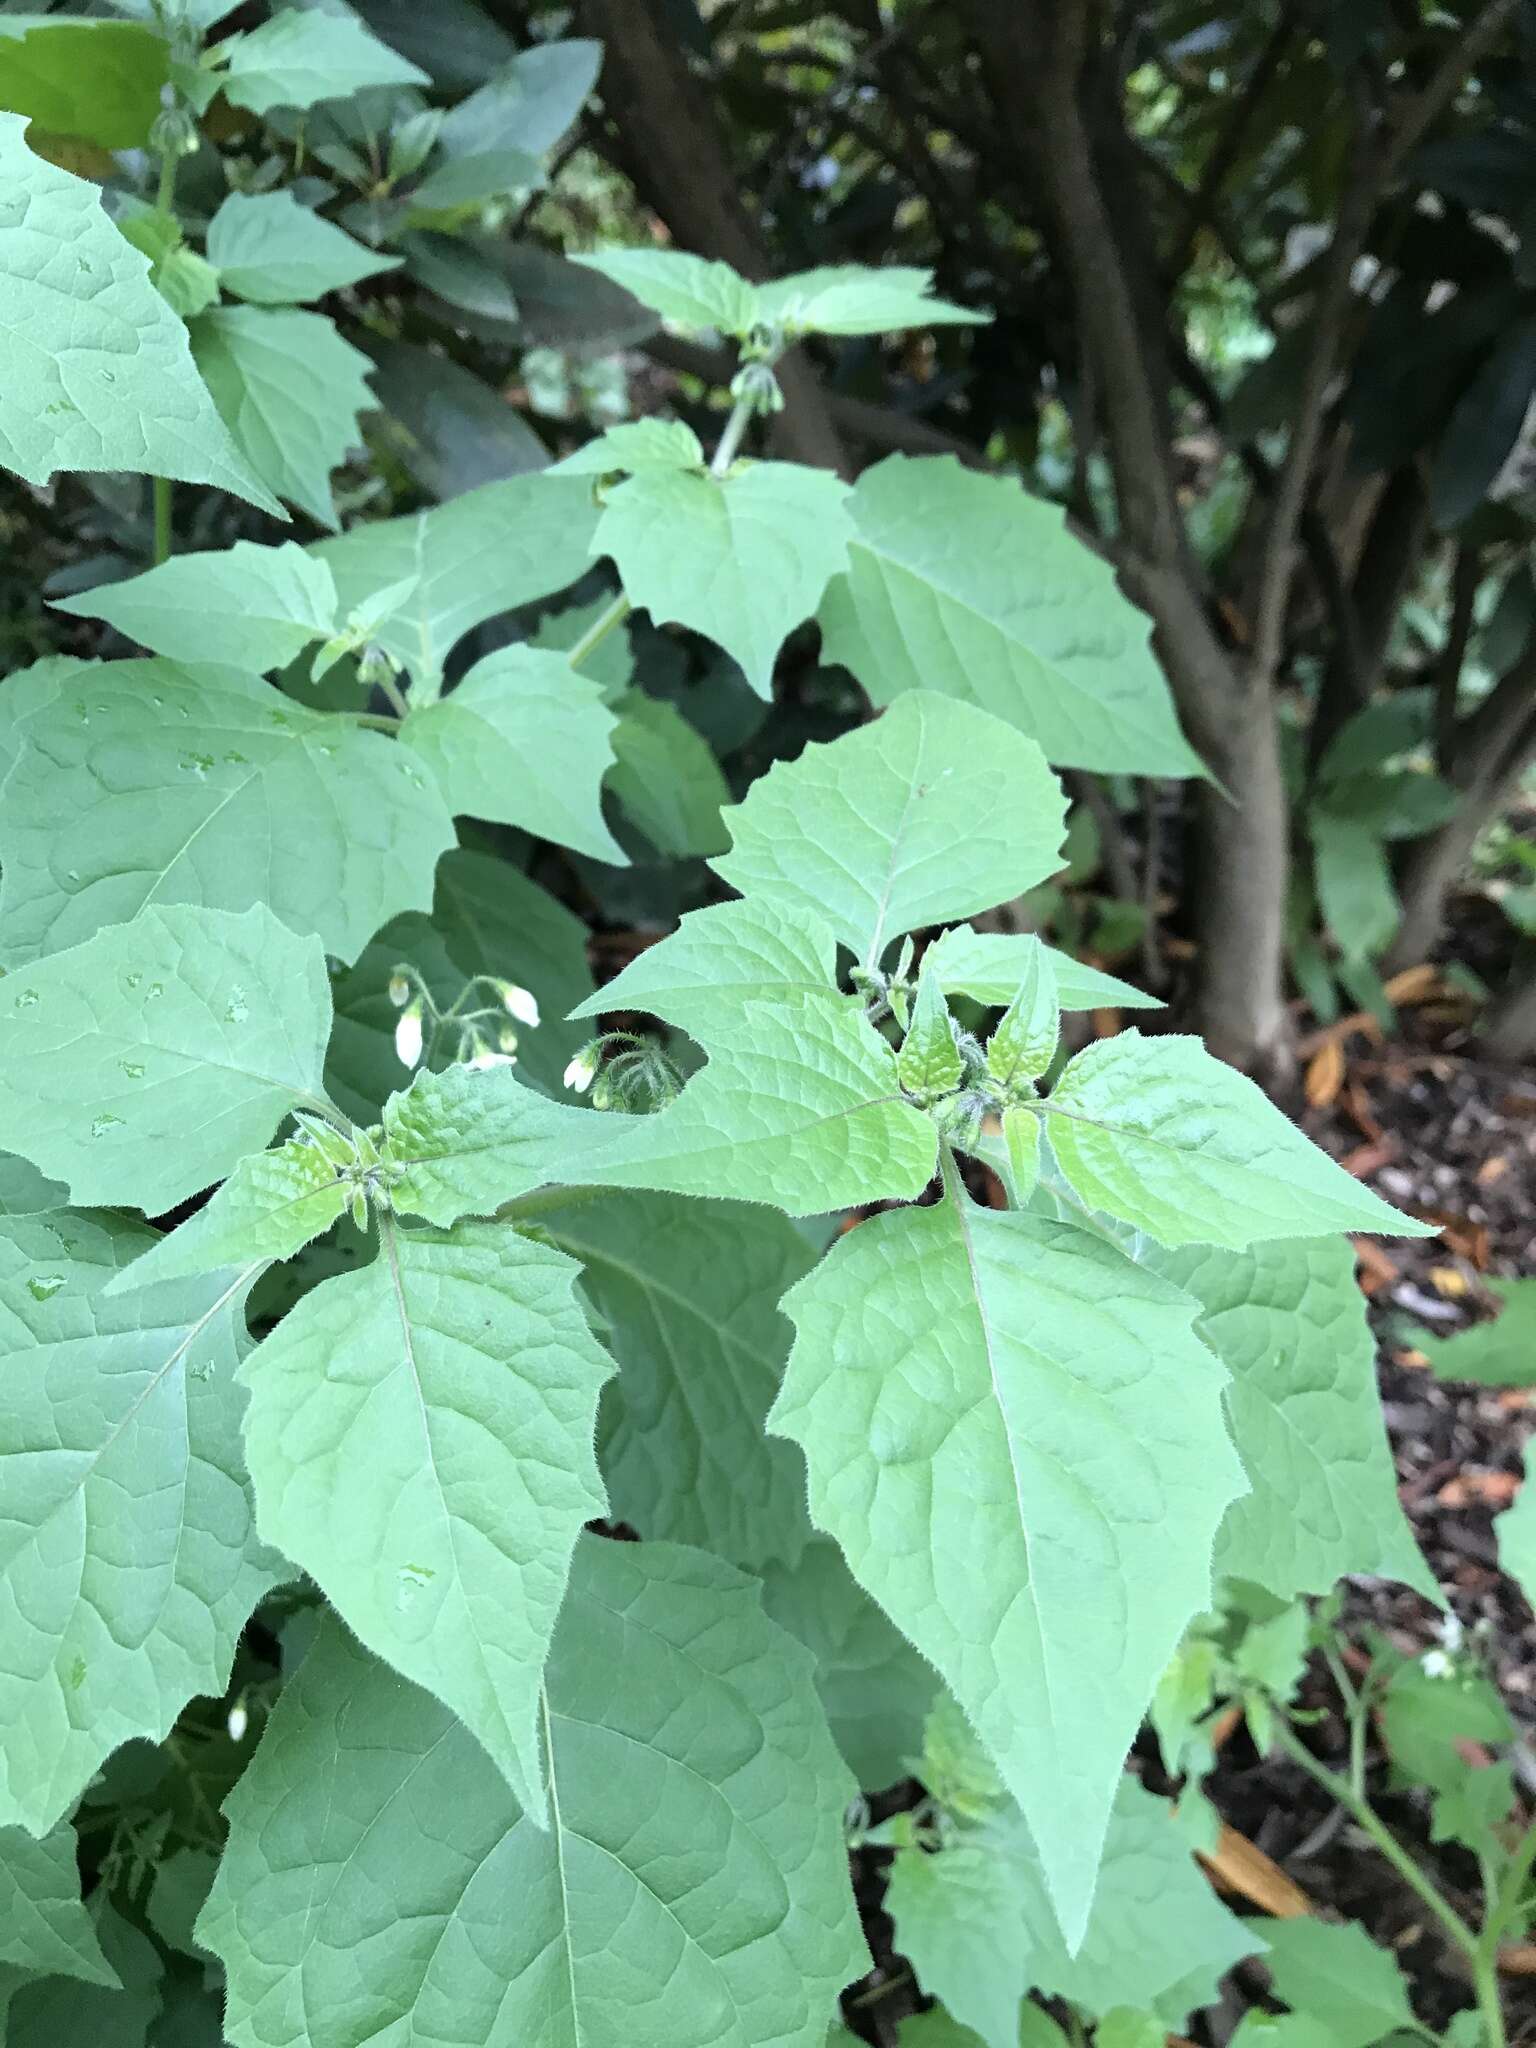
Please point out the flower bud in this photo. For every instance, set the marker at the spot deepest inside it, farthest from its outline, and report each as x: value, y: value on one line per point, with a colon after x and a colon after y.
x: 399, y: 990
x: 521, y: 1003
x: 408, y: 1036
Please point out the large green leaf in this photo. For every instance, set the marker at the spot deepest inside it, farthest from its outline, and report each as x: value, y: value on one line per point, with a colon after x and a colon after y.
x: 799, y: 1106
x: 470, y: 1140
x: 270, y: 250
x: 100, y: 80
x: 256, y: 608
x: 743, y: 559
x: 420, y: 1441
x: 989, y: 967
x: 1339, y: 1977
x: 854, y: 298
x: 269, y: 1208
x: 488, y: 551
x: 935, y: 811
x: 688, y: 1297
x: 523, y: 740
x: 1288, y: 1321
x: 128, y: 1564
x: 719, y: 958
x: 680, y: 287
x: 529, y: 103
x: 963, y: 583
x: 48, y: 2011
x: 875, y: 1687
x: 1157, y: 1132
x: 98, y: 374
x: 691, y: 1890
x: 141, y: 1066
x: 150, y: 784
x: 975, y: 1923
x: 667, y: 779
x: 45, y: 1930
x: 1354, y: 884
x: 290, y: 390
x: 302, y: 55
x: 1017, y: 1438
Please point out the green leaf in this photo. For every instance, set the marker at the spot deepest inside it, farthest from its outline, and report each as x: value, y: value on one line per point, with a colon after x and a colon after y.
x: 471, y: 1140
x: 99, y: 80
x: 522, y: 740
x: 1499, y: 1353
x: 990, y: 966
x: 1338, y: 1976
x: 302, y: 55
x: 26, y: 1192
x: 257, y: 608
x: 269, y: 1208
x: 742, y: 559
x: 636, y: 445
x: 875, y: 1687
x: 289, y: 389
x: 688, y: 1296
x: 486, y: 552
x: 1354, y: 884
x: 420, y: 1441
x: 611, y: 662
x: 98, y: 372
x: 1017, y: 1439
x: 53, y: 2010
x: 962, y: 583
x: 44, y: 1928
x: 934, y: 811
x: 270, y: 250
x: 1157, y: 1132
x: 975, y: 1923
x: 852, y: 298
x: 450, y: 429
x: 719, y: 958
x: 667, y: 779
x: 470, y: 181
x: 690, y: 1892
x: 146, y: 1063
x: 1023, y: 1042
x: 529, y: 103
x: 149, y: 784
x: 800, y: 1107
x: 129, y: 1564
x: 32, y: 689
x: 1425, y: 1714
x: 682, y: 288
x: 929, y: 1064
x: 1288, y: 1321
x: 1516, y: 1531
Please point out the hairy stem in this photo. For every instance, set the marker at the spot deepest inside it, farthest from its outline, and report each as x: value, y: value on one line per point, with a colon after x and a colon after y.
x: 604, y: 624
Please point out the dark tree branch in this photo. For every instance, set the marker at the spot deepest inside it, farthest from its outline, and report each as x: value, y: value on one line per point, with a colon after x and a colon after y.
x: 1465, y: 578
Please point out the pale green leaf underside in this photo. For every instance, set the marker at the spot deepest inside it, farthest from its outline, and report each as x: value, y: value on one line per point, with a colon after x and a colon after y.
x: 290, y: 390
x: 45, y: 1930
x: 143, y: 1065
x: 128, y: 1564
x: 799, y: 1107
x: 270, y: 250
x: 382, y: 1887
x: 484, y: 552
x: 301, y: 56
x: 719, y: 958
x: 876, y: 1689
x: 523, y: 740
x: 743, y: 560
x: 688, y: 1296
x: 145, y: 783
x: 420, y: 1441
x: 269, y: 1208
x: 935, y: 811
x: 253, y: 607
x: 1017, y: 1439
x: 963, y: 583
x: 1157, y: 1132
x: 98, y: 374
x: 989, y: 966
x: 1288, y: 1321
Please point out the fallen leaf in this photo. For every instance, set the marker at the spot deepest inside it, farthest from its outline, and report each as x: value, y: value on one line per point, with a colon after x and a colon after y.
x: 1240, y: 1866
x: 1325, y: 1074
x: 1414, y: 984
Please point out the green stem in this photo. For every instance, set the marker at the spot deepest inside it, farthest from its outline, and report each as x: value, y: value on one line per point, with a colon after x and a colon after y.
x: 165, y: 193
x: 1503, y: 1908
x: 731, y: 439
x: 604, y: 624
x: 392, y: 691
x: 1360, y: 1810
x: 375, y: 721
x: 160, y: 497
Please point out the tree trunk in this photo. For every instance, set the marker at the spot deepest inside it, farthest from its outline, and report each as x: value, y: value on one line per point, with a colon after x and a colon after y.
x: 1243, y: 869
x: 1510, y: 1033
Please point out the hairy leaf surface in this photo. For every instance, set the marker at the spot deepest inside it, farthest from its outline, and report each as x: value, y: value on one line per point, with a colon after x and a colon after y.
x: 470, y: 1139
x: 691, y: 1890
x: 257, y: 608
x: 128, y: 1564
x: 935, y: 811
x: 143, y: 1065
x: 269, y: 1208
x: 1017, y: 1439
x: 989, y: 966
x: 420, y: 1440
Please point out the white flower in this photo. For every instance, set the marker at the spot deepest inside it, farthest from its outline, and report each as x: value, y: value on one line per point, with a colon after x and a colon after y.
x: 1436, y: 1664
x: 408, y: 1037
x: 521, y: 1004
x: 582, y: 1070
x: 482, y: 1060
x: 239, y: 1721
x: 1450, y: 1632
